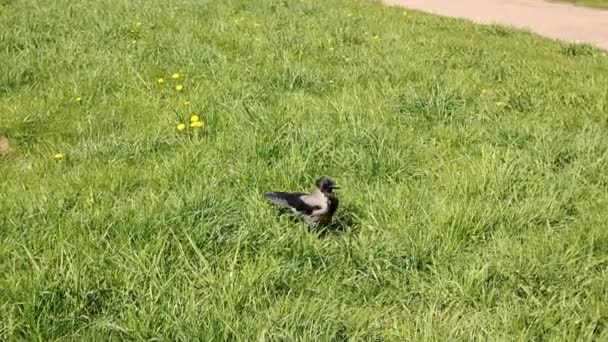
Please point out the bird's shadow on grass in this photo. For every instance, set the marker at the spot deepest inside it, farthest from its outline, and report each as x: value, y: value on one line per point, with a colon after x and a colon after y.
x: 345, y: 220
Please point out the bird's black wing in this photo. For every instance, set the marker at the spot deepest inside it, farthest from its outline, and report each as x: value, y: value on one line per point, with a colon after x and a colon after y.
x: 291, y: 199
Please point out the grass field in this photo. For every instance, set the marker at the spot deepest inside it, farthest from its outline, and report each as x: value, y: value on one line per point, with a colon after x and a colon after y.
x: 592, y: 3
x: 472, y: 162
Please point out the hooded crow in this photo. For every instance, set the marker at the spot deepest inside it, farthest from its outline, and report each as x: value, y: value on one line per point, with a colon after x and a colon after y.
x: 316, y: 208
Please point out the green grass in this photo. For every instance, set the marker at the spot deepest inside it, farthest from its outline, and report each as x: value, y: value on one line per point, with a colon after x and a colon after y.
x: 472, y: 162
x: 592, y: 3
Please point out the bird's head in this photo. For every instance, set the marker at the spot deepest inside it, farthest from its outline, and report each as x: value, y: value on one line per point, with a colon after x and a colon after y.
x: 326, y: 185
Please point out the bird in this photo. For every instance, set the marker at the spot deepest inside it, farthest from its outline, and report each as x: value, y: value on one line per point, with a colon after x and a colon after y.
x: 316, y: 208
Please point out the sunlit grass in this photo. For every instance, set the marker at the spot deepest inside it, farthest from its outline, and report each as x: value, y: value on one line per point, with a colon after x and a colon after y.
x: 472, y: 164
x: 591, y: 3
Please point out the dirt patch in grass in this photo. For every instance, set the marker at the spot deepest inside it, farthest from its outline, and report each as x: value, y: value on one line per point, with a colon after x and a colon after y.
x: 5, y: 147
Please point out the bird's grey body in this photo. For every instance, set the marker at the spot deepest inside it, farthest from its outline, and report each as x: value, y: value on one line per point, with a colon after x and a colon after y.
x: 316, y: 208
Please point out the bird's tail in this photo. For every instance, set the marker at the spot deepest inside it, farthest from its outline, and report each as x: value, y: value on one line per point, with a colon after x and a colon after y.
x: 275, y: 198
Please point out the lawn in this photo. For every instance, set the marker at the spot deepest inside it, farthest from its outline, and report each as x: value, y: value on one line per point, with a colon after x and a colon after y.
x: 472, y: 163
x: 592, y: 3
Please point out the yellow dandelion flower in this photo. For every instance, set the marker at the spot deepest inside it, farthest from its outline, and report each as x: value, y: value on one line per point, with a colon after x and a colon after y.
x: 160, y: 81
x: 180, y: 127
x: 78, y: 99
x: 179, y: 87
x: 58, y: 156
x: 176, y: 76
x: 195, y: 118
x: 404, y: 13
x: 196, y: 124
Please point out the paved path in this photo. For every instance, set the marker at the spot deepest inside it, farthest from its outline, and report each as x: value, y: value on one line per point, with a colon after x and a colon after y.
x: 553, y: 20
